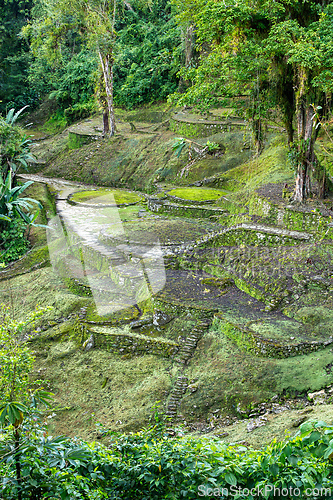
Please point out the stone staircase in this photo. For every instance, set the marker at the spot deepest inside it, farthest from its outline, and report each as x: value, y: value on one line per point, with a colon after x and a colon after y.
x: 176, y: 396
x: 183, y: 356
x: 188, y: 347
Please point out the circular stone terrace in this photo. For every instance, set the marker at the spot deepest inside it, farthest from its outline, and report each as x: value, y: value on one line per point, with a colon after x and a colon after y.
x: 105, y: 197
x: 166, y: 231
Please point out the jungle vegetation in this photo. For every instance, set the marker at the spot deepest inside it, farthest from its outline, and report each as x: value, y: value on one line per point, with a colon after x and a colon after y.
x: 262, y: 58
x: 268, y: 61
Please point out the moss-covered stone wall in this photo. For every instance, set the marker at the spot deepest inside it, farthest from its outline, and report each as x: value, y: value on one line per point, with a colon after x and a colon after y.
x: 291, y: 218
x: 122, y: 343
x: 248, y: 340
x: 76, y: 140
x: 199, y: 129
x: 163, y: 206
x: 256, y: 235
x: 178, y: 308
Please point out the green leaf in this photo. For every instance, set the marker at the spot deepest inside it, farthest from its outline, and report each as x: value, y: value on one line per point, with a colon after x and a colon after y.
x: 287, y: 450
x: 306, y: 427
x: 329, y: 453
x: 230, y: 479
x: 274, y: 469
x: 321, y: 423
x: 17, y: 114
x: 9, y: 117
x: 5, y: 217
x: 320, y: 450
x: 293, y: 460
x: 314, y: 436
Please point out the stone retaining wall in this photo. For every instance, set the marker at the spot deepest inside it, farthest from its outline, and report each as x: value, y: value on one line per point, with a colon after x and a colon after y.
x: 195, y: 210
x: 257, y: 235
x: 290, y: 218
x: 134, y: 344
x: 203, y: 129
x: 248, y: 340
x: 76, y: 140
x: 176, y: 308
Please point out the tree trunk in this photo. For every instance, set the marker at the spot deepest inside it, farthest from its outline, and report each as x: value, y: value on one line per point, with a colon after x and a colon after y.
x: 307, y: 135
x: 285, y: 93
x: 288, y: 123
x: 106, y: 127
x: 107, y: 69
x: 189, y: 38
x: 18, y: 463
x: 307, y: 138
x: 258, y: 136
x: 189, y: 45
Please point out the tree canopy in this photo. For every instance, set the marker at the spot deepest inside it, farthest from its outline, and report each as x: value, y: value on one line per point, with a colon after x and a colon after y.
x: 265, y: 58
x: 273, y: 54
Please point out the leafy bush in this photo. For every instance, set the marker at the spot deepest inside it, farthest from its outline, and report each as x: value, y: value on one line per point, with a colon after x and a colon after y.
x: 151, y: 465
x: 148, y: 60
x: 56, y: 123
x: 14, y: 154
x: 13, y: 243
x: 79, y: 111
x: 14, y: 144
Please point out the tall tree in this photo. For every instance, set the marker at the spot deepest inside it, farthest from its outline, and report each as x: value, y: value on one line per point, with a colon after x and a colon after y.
x: 97, y: 20
x: 60, y: 28
x: 100, y: 19
x: 14, y: 54
x: 274, y: 52
x: 301, y: 33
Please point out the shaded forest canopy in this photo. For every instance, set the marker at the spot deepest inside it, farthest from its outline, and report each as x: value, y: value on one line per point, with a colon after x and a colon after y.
x: 88, y: 56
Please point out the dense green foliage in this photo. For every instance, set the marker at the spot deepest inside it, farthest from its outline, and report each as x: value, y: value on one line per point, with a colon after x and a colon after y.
x: 148, y: 55
x: 61, y: 66
x: 15, y: 209
x: 14, y: 55
x: 266, y: 56
x: 13, y: 243
x: 151, y: 465
x: 64, y: 63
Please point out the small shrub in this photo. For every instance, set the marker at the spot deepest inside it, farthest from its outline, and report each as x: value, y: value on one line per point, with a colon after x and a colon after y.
x: 13, y: 242
x: 79, y: 111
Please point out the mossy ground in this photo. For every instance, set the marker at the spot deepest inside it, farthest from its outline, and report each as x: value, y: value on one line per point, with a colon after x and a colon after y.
x: 119, y: 391
x: 167, y: 231
x: 136, y: 158
x: 98, y: 386
x: 279, y: 426
x: 197, y: 194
